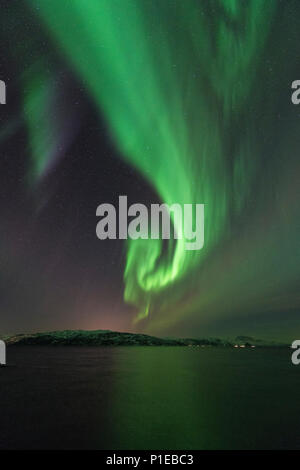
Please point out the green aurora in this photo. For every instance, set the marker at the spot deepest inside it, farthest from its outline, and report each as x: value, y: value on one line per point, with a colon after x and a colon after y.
x: 177, y: 83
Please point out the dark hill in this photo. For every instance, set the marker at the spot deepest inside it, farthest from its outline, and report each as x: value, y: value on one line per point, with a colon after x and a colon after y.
x: 113, y: 338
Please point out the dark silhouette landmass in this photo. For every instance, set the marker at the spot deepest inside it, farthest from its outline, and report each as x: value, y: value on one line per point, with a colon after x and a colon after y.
x: 113, y: 338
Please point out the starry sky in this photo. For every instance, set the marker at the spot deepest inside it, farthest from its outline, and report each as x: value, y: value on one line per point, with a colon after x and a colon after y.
x: 175, y: 102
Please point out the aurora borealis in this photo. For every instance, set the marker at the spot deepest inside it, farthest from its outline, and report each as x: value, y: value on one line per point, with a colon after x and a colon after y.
x: 193, y: 100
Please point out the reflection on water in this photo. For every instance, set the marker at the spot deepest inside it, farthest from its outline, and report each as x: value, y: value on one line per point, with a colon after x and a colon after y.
x: 149, y: 398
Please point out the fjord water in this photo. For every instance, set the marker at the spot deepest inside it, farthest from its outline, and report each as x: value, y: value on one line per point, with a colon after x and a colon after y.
x: 149, y: 398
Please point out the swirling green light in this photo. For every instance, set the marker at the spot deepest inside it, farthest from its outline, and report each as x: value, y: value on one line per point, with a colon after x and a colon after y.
x: 168, y: 76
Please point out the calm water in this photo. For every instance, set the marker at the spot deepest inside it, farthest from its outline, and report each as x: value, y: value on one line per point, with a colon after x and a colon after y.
x: 149, y: 398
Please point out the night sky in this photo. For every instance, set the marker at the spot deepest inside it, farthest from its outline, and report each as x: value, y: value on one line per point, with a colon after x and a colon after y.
x: 180, y: 101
